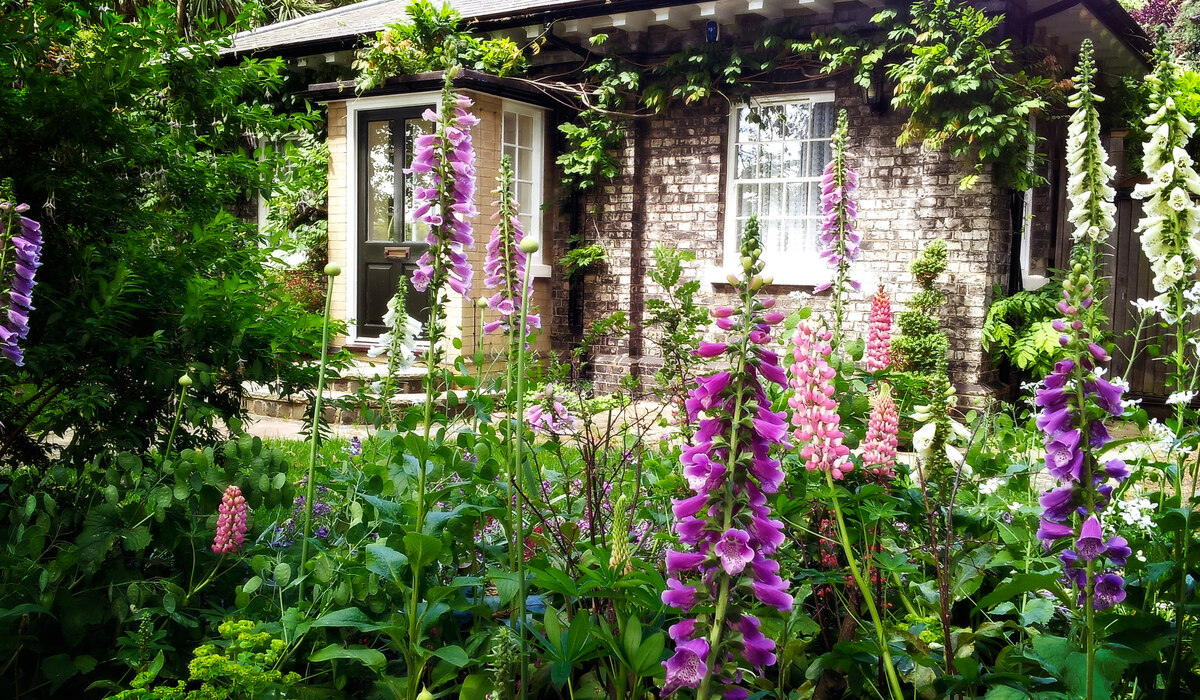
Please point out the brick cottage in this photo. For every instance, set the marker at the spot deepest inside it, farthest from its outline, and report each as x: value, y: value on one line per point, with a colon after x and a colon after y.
x: 690, y: 175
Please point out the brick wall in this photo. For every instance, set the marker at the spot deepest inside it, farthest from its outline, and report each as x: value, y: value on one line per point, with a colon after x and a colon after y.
x: 672, y: 190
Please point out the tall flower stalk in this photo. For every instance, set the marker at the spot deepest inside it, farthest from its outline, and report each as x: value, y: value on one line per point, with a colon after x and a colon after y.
x: 507, y: 271
x: 839, y: 211
x: 1074, y: 399
x: 817, y: 425
x: 879, y: 447
x: 1170, y: 237
x: 20, y: 257
x: 447, y: 157
x: 726, y: 528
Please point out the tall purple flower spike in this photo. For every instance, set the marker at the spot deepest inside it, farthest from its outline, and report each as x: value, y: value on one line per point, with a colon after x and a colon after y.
x: 447, y: 207
x: 1075, y: 401
x: 504, y: 265
x: 839, y: 212
x: 22, y: 245
x: 726, y: 528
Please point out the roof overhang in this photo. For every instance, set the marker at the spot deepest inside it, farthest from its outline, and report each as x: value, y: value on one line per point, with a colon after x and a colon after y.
x: 510, y: 88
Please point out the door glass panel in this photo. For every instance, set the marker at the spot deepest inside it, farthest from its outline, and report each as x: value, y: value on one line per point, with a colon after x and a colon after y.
x: 412, y: 232
x: 381, y: 181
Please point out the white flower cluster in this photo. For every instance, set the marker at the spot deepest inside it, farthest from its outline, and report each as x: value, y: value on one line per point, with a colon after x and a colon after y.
x: 1170, y: 212
x: 1180, y: 397
x: 1135, y: 512
x: 923, y: 438
x: 1092, y: 210
x: 399, y: 344
x: 989, y: 486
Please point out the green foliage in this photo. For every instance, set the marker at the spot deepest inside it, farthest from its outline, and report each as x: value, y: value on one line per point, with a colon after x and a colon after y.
x: 922, y: 347
x: 598, y: 132
x: 297, y: 208
x: 433, y: 39
x: 127, y: 141
x: 1018, y: 329
x: 124, y: 539
x: 245, y: 668
x: 576, y: 261
x: 967, y: 88
x: 677, y: 322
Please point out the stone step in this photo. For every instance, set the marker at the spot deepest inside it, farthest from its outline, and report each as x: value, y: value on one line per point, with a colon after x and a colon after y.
x: 338, y: 407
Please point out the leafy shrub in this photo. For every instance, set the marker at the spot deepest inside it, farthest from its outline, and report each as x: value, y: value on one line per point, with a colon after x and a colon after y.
x: 1017, y: 329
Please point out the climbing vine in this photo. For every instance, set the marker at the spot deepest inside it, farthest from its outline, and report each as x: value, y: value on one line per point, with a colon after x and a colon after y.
x: 967, y: 90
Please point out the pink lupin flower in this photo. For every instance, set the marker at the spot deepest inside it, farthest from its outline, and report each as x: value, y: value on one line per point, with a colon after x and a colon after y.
x: 231, y: 522
x: 879, y: 340
x: 879, y: 447
x: 815, y: 410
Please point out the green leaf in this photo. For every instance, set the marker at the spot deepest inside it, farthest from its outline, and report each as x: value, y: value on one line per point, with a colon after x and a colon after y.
x: 385, y: 561
x: 348, y: 617
x: 252, y: 585
x: 453, y: 655
x: 421, y: 548
x: 1020, y: 583
x: 371, y: 658
x: 475, y: 687
x: 1037, y: 611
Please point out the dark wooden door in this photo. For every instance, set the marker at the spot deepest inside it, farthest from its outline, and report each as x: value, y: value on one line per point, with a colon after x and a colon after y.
x: 389, y: 244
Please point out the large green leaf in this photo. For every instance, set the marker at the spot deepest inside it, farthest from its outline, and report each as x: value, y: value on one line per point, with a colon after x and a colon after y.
x: 348, y: 617
x: 385, y: 561
x: 371, y: 658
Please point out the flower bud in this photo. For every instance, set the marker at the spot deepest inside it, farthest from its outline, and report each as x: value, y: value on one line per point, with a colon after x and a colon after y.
x: 747, y: 262
x: 333, y: 269
x: 529, y: 245
x: 482, y: 302
x: 185, y: 381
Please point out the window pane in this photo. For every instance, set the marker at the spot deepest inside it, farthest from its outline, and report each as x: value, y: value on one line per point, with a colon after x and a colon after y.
x: 524, y: 196
x: 747, y: 159
x: 793, y: 158
x: 381, y: 181
x: 412, y: 232
x: 797, y: 199
x: 772, y: 123
x: 818, y: 158
x: 771, y: 164
x: 747, y: 129
x: 524, y: 164
x: 525, y: 130
x: 824, y: 120
x: 747, y: 200
x: 799, y: 115
x: 772, y: 205
x: 510, y: 127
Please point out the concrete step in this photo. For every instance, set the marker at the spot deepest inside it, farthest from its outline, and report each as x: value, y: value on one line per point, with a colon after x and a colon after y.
x: 338, y: 407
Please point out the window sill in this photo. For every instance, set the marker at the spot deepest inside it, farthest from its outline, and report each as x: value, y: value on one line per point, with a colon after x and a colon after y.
x: 720, y: 275
x: 540, y: 271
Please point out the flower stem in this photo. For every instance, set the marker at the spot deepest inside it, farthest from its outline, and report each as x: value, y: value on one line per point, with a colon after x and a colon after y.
x: 315, y: 437
x: 178, y: 413
x: 522, y: 341
x: 888, y: 667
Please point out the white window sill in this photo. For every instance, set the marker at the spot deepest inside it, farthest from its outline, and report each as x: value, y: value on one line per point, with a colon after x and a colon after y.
x: 540, y: 271
x: 720, y: 275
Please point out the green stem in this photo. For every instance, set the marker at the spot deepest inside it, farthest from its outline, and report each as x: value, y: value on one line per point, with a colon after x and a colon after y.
x: 888, y: 667
x: 310, y: 489
x: 522, y: 340
x: 178, y: 414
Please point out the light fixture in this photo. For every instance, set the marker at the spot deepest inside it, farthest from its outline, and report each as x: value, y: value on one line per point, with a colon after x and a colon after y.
x: 712, y: 32
x: 876, y: 92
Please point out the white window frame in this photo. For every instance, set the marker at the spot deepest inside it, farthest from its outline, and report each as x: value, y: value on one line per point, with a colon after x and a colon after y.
x: 353, y: 107
x: 787, y: 272
x: 538, y: 267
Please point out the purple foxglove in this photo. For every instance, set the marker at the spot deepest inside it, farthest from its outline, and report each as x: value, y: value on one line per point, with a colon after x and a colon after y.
x: 839, y: 210
x: 505, y: 263
x: 1074, y: 399
x: 21, y: 243
x: 726, y: 526
x: 447, y: 207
